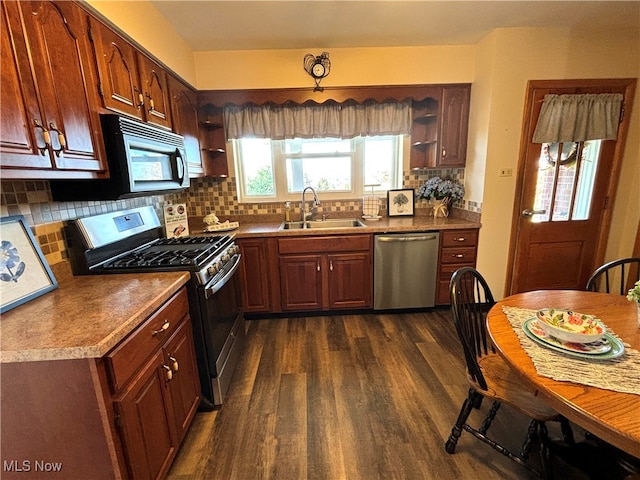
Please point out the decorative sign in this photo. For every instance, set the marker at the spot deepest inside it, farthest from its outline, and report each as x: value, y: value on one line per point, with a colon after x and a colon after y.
x: 175, y: 220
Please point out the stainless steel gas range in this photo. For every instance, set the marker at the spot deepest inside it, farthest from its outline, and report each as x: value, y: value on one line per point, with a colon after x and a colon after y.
x: 132, y: 241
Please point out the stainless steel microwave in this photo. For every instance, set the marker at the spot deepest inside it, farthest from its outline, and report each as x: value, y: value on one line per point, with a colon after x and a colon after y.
x: 143, y: 160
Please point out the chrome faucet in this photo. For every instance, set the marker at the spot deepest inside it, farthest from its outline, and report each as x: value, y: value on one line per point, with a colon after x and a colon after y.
x: 303, y: 207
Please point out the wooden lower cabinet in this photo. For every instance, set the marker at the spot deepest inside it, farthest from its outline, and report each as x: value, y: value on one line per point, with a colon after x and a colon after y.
x: 144, y: 418
x: 155, y: 405
x: 325, y: 273
x: 119, y: 416
x: 259, y: 274
x: 458, y: 248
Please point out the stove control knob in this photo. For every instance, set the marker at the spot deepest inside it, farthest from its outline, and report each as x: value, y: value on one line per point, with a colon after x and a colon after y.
x: 213, y: 269
x: 225, y: 257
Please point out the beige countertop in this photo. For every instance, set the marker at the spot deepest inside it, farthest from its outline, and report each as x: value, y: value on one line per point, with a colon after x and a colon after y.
x: 85, y: 316
x: 383, y: 225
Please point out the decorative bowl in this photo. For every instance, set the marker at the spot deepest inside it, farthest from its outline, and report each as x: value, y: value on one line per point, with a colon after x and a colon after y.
x: 570, y: 326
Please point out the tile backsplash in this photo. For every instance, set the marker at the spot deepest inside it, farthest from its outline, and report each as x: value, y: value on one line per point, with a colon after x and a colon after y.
x: 32, y: 199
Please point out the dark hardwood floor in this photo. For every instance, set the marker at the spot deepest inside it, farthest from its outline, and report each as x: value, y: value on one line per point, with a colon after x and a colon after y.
x: 349, y: 397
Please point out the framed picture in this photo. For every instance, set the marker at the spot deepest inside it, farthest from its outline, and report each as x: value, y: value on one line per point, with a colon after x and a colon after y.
x: 400, y: 202
x: 24, y: 272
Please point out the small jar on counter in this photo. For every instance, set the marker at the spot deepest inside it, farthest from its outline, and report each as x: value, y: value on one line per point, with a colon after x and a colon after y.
x: 287, y: 211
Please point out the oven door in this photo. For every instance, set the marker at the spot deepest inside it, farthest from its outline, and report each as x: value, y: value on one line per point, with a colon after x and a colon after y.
x: 222, y: 325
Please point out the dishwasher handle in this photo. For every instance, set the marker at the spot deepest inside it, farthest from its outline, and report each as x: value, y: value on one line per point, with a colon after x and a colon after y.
x: 402, y: 238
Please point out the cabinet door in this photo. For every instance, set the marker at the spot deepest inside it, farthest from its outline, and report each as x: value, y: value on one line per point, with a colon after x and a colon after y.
x: 184, y: 387
x: 146, y: 421
x: 21, y: 140
x: 350, y: 280
x: 66, y: 126
x: 117, y: 70
x: 154, y: 81
x: 454, y: 126
x: 255, y: 275
x: 184, y: 117
x: 301, y: 282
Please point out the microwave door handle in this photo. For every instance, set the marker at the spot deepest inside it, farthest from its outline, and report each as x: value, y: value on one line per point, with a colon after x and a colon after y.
x: 181, y: 165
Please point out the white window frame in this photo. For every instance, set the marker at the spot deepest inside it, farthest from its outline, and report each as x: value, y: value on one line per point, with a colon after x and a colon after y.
x: 278, y: 165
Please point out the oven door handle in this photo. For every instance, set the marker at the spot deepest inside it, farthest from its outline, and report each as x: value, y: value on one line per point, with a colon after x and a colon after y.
x: 212, y: 288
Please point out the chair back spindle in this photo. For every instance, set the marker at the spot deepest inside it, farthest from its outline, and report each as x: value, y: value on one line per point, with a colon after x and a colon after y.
x: 471, y: 300
x: 617, y: 276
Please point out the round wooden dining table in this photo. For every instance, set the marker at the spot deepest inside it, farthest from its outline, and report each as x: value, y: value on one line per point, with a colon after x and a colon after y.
x: 612, y: 416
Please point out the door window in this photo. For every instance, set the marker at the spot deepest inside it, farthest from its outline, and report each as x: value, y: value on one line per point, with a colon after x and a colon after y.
x: 565, y: 180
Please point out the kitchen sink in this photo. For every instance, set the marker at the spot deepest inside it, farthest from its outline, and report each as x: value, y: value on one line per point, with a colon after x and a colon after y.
x: 322, y: 224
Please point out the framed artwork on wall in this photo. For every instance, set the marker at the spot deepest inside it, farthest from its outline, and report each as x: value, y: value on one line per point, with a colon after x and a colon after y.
x: 400, y: 202
x: 24, y: 272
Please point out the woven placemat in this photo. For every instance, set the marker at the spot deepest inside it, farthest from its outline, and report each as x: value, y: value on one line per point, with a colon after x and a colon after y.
x: 620, y: 374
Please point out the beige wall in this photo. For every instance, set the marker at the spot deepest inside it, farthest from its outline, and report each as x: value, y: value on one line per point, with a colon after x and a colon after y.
x: 349, y: 66
x: 519, y: 55
x: 499, y: 67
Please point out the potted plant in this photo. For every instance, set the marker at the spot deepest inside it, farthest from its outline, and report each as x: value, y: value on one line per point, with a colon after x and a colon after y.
x: 440, y: 193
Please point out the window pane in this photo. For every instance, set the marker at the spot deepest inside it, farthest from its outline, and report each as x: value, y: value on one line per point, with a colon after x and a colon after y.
x: 379, y: 158
x: 257, y: 168
x: 312, y: 146
x: 572, y: 197
x: 588, y: 167
x: 325, y: 174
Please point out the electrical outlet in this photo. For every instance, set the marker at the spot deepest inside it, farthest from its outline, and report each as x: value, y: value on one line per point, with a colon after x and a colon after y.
x: 505, y: 172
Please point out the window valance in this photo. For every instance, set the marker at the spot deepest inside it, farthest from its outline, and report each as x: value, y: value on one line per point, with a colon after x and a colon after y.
x: 576, y: 118
x: 335, y: 120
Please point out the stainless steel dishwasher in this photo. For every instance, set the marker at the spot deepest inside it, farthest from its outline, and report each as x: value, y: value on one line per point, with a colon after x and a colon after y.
x: 405, y: 268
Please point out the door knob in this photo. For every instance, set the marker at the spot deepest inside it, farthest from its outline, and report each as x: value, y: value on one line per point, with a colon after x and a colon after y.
x: 531, y: 213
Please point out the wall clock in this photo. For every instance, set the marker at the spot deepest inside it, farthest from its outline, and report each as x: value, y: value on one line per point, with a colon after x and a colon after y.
x: 318, y: 66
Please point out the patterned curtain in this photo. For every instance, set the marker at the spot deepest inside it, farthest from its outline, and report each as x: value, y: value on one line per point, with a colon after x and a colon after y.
x: 577, y: 118
x: 333, y: 120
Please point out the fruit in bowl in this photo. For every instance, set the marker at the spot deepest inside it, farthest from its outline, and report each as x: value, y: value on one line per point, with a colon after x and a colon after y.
x: 570, y: 326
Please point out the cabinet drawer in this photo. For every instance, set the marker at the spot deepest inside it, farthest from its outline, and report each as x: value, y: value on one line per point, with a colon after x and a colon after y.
x: 457, y: 238
x: 462, y: 255
x: 333, y: 243
x: 129, y: 355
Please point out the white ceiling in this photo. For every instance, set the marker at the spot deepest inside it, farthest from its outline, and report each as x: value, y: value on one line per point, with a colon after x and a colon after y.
x: 286, y: 24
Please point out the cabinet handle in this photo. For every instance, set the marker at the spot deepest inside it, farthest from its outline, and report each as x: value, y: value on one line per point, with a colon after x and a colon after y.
x: 61, y: 139
x: 444, y: 152
x: 318, y: 266
x: 458, y: 255
x: 140, y: 97
x: 168, y: 372
x: 45, y: 136
x: 460, y: 239
x: 151, y: 104
x: 331, y: 265
x: 174, y: 363
x: 162, y: 329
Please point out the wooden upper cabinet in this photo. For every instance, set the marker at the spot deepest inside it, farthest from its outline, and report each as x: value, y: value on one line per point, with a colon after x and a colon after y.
x: 440, y: 127
x: 117, y: 70
x: 154, y: 81
x: 130, y: 82
x: 184, y: 116
x: 50, y: 122
x: 455, y: 126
